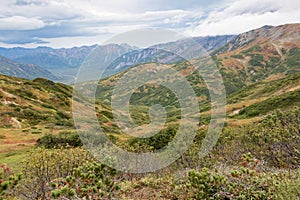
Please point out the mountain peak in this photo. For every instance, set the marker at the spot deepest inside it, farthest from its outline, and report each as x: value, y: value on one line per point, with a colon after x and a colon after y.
x: 282, y: 33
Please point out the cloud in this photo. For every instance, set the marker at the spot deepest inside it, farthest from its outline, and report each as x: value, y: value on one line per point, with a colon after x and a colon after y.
x: 241, y: 16
x: 20, y: 23
x: 35, y: 21
x: 59, y: 22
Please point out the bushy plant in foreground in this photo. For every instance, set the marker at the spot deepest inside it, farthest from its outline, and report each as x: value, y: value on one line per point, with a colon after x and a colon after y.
x: 65, y: 173
x: 44, y: 165
x: 90, y: 181
x: 8, y: 180
x: 276, y: 139
x: 245, y: 182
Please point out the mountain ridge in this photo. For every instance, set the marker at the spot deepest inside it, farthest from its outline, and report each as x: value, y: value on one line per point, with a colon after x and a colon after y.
x: 65, y: 62
x: 263, y: 53
x: 29, y: 71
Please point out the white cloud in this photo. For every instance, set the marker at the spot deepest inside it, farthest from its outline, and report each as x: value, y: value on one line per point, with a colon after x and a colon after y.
x: 20, y: 23
x: 60, y: 22
x: 54, y: 21
x: 243, y: 15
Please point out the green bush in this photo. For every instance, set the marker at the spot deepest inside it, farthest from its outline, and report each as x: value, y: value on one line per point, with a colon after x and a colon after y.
x: 65, y: 122
x: 245, y: 182
x: 90, y: 181
x: 276, y: 139
x: 206, y: 185
x: 62, y: 139
x: 256, y: 60
x: 282, y: 101
x: 157, y: 141
x: 42, y: 166
x: 287, y: 187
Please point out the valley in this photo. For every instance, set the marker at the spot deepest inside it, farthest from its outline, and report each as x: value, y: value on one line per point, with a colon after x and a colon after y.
x: 256, y: 156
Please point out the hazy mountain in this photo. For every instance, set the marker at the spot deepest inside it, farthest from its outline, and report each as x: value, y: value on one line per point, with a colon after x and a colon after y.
x: 47, y: 57
x: 66, y: 62
x: 97, y: 62
x: 29, y: 71
x: 63, y: 62
x: 171, y: 52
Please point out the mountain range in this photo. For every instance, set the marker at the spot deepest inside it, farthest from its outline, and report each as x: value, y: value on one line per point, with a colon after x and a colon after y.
x: 260, y: 70
x: 265, y: 54
x: 64, y: 63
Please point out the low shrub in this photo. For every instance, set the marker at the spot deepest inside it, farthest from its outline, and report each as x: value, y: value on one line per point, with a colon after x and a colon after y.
x: 90, y: 181
x: 64, y: 139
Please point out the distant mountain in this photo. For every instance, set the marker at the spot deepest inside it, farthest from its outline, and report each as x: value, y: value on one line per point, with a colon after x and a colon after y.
x: 98, y: 60
x: 47, y: 57
x: 171, y: 52
x: 62, y: 62
x: 29, y: 71
x: 66, y: 62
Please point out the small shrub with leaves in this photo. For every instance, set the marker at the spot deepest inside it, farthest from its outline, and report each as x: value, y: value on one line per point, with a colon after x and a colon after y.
x: 8, y: 180
x: 276, y: 139
x: 90, y: 181
x: 245, y: 182
x: 207, y: 185
x: 64, y: 138
x: 44, y: 165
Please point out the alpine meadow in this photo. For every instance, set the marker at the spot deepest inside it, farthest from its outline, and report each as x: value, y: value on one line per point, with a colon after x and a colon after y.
x: 51, y: 149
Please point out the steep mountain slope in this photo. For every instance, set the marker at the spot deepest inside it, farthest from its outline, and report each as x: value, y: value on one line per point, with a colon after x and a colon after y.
x: 260, y: 98
x: 281, y: 35
x: 30, y: 110
x: 265, y: 53
x: 211, y: 43
x: 29, y: 71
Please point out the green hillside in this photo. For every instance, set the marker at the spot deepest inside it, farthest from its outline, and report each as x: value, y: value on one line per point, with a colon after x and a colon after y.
x: 257, y: 155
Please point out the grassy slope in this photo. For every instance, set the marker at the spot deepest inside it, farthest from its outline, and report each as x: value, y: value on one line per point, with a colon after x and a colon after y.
x: 42, y: 106
x: 258, y: 55
x: 253, y: 61
x: 31, y: 109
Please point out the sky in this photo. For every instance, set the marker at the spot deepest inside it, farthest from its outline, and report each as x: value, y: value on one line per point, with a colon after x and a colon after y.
x: 68, y: 23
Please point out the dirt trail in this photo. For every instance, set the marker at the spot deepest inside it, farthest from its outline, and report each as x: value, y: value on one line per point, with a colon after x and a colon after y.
x: 8, y: 94
x: 15, y: 123
x: 244, y: 63
x: 278, y: 49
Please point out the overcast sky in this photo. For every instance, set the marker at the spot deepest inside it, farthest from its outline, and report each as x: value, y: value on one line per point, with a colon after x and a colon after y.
x: 67, y: 23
